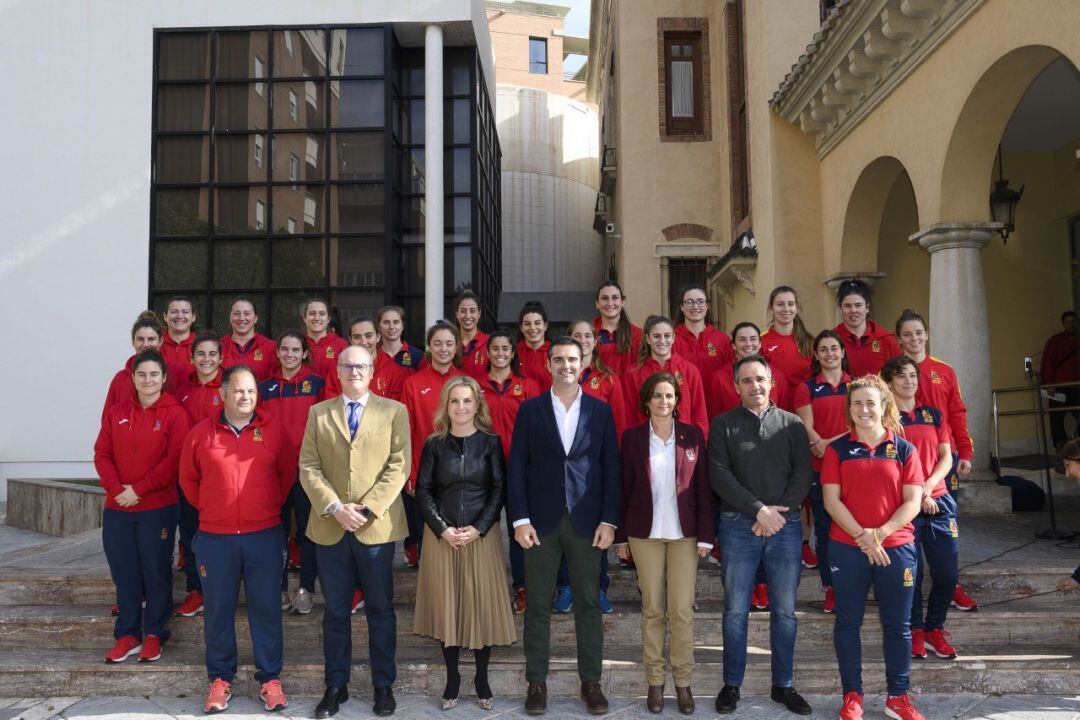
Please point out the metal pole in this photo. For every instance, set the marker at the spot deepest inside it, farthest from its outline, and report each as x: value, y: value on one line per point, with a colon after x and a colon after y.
x: 434, y: 300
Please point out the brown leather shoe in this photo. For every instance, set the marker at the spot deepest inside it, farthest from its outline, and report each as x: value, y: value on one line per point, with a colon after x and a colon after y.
x: 684, y: 696
x: 654, y: 701
x: 536, y: 699
x: 593, y: 697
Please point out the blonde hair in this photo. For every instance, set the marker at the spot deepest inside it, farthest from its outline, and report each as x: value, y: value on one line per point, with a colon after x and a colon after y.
x: 890, y: 415
x: 483, y: 414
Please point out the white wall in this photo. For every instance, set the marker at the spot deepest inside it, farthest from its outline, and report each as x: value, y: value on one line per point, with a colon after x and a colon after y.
x: 76, y: 147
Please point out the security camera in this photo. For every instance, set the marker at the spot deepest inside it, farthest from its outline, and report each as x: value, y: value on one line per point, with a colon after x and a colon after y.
x: 609, y: 228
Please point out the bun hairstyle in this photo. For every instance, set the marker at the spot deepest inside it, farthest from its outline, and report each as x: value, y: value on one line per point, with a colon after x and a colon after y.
x: 147, y: 319
x: 910, y: 315
x: 532, y: 306
x: 853, y: 286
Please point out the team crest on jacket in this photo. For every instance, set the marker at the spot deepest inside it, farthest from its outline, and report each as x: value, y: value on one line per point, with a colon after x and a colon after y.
x: 517, y: 389
x: 258, y: 355
x: 478, y: 358
x: 890, y: 451
x: 215, y: 400
x: 679, y: 377
x: 164, y: 533
x: 330, y: 353
x: 157, y: 425
x: 406, y: 359
x: 909, y: 580
x: 875, y: 346
x: 305, y: 387
x: 691, y: 454
x: 594, y: 382
x: 257, y: 435
x: 927, y: 417
x: 953, y: 529
x: 712, y: 350
x: 202, y: 570
x: 934, y: 377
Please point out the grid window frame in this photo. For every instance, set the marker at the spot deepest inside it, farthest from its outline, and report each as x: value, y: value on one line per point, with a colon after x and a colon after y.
x: 677, y: 32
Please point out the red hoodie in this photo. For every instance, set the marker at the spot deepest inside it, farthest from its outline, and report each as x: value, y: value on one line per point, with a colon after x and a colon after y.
x: 721, y: 395
x: 533, y: 363
x: 201, y: 401
x: 178, y: 354
x: 504, y: 400
x: 709, y: 351
x: 607, y: 388
x: 692, y: 405
x: 288, y: 401
x: 323, y: 354
x: 420, y: 394
x: 237, y: 483
x: 866, y: 354
x: 122, y: 387
x: 140, y: 447
x: 608, y: 349
x: 939, y: 388
x: 259, y: 354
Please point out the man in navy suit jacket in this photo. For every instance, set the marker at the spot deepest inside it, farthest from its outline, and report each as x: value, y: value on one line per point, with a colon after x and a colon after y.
x: 563, y: 486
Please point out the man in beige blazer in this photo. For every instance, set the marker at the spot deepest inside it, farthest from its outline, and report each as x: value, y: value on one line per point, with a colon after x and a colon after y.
x: 353, y: 464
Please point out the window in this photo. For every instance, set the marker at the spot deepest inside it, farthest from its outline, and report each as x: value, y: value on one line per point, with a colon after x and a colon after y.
x: 260, y: 71
x: 294, y: 169
x: 291, y: 226
x: 287, y: 35
x: 683, y: 272
x: 538, y: 55
x: 683, y: 76
x: 294, y: 106
x: 739, y: 156
x: 260, y: 215
x: 257, y: 154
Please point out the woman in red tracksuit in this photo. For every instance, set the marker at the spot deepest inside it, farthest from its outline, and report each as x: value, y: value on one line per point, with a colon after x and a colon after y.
x: 720, y: 392
x: 656, y: 356
x: 705, y: 345
x: 137, y: 457
x: 474, y: 355
x: 287, y: 396
x: 786, y: 344
x: 391, y: 323
x: 866, y: 344
x: 323, y: 345
x: 532, y: 348
x: 618, y: 339
x: 504, y: 389
x: 388, y: 378
x: 145, y: 335
x: 597, y: 379
x: 420, y: 394
x: 245, y: 346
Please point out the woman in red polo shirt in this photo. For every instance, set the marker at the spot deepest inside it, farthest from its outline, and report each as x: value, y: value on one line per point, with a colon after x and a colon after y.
x: 703, y: 344
x: 391, y: 325
x: 532, y: 348
x: 474, y: 355
x: 323, y: 345
x: 657, y: 356
x: 618, y: 339
x: 786, y: 344
x: 872, y: 483
x: 244, y: 346
x: 137, y: 457
x: 867, y: 344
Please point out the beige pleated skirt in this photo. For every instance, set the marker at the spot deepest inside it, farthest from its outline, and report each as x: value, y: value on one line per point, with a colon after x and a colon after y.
x: 461, y: 595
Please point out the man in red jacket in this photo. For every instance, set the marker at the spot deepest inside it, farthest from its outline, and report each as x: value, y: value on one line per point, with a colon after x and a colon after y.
x: 1058, y: 366
x: 236, y: 469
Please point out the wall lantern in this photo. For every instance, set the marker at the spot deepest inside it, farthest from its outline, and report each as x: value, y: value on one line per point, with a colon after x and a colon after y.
x: 1003, y: 201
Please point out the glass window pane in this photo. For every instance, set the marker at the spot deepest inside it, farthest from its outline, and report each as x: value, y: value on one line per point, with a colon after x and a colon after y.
x: 237, y: 53
x: 459, y: 220
x: 413, y: 215
x: 181, y: 211
x: 304, y: 204
x: 240, y: 264
x: 414, y: 122
x: 299, y: 105
x: 241, y: 158
x: 458, y: 268
x: 239, y: 210
x: 412, y: 73
x: 413, y: 170
x: 459, y: 75
x: 358, y: 103
x: 458, y: 171
x: 357, y: 262
x: 285, y: 310
x: 182, y: 160
x: 299, y: 53
x: 297, y: 262
x: 240, y: 106
x: 358, y: 156
x: 357, y: 51
x: 183, y: 107
x: 353, y: 303
x: 179, y: 264
x: 461, y: 121
x: 300, y: 157
x: 184, y: 56
x: 356, y: 208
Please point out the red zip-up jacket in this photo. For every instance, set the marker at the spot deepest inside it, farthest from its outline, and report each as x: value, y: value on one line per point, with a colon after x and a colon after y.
x: 608, y: 349
x: 387, y: 380
x: 474, y: 356
x: 237, y: 483
x: 709, y: 351
x: 783, y: 352
x: 866, y: 354
x: 1059, y: 357
x: 323, y: 354
x: 607, y: 388
x: 178, y: 354
x: 533, y: 363
x: 692, y: 405
x: 721, y: 395
x: 420, y: 395
x: 122, y: 387
x: 201, y: 401
x: 141, y: 447
x: 288, y: 401
x: 503, y: 401
x: 939, y: 388
x: 259, y: 354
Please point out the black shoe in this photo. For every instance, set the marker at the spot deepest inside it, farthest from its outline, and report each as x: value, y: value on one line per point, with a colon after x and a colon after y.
x: 384, y: 702
x: 333, y: 697
x: 727, y: 700
x: 790, y: 699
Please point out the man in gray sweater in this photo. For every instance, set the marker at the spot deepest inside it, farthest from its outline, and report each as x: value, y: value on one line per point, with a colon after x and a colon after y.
x: 759, y: 465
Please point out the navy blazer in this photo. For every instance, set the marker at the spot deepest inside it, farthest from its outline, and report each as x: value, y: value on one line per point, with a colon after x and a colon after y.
x: 542, y: 479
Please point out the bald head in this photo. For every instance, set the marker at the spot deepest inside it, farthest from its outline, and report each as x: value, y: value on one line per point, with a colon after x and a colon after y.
x: 355, y: 369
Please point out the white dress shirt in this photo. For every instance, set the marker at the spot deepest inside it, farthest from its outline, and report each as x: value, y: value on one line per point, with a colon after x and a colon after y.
x: 665, y: 505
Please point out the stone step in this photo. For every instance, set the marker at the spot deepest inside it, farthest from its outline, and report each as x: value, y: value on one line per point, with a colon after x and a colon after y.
x: 180, y: 672
x: 90, y: 627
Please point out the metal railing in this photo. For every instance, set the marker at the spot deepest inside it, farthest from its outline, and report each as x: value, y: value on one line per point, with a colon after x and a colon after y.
x: 1035, y: 412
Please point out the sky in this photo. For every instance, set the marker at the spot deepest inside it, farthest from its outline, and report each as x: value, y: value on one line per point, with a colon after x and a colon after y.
x: 577, y: 23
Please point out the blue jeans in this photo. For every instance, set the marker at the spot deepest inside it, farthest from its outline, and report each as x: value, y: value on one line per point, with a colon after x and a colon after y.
x: 822, y: 525
x: 936, y: 536
x: 893, y: 586
x: 741, y: 551
x: 344, y: 566
x: 138, y: 547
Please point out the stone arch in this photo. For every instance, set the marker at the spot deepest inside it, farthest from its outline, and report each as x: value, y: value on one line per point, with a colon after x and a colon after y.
x: 865, y: 209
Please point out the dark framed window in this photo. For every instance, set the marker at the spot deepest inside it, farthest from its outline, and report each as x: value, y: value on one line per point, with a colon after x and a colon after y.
x: 538, y: 55
x: 683, y: 272
x: 738, y: 138
x: 684, y: 104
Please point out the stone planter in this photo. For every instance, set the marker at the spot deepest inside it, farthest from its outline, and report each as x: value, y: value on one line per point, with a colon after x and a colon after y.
x: 54, y: 507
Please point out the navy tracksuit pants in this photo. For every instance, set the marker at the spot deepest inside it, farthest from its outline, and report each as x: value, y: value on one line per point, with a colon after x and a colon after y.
x: 299, y: 503
x: 893, y: 586
x: 189, y: 523
x: 138, y: 547
x: 822, y: 525
x: 937, y: 537
x: 257, y: 558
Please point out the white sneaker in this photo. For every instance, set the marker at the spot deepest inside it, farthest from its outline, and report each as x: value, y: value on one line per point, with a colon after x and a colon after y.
x: 302, y: 602
x: 285, y: 604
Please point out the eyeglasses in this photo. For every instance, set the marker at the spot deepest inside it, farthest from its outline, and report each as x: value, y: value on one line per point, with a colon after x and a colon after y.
x: 695, y: 303
x: 355, y: 367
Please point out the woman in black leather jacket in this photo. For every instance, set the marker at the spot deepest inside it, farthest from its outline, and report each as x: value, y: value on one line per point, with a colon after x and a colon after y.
x: 461, y: 591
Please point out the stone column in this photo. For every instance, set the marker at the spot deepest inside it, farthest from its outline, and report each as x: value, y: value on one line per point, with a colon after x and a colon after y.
x: 434, y: 302
x: 959, y: 328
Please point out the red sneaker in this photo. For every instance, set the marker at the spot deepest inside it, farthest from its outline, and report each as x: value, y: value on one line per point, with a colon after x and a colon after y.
x: 851, y: 709
x: 217, y: 700
x: 357, y: 601
x: 830, y: 601
x: 151, y: 649
x: 521, y: 603
x: 412, y: 556
x: 809, y: 559
x: 900, y: 708
x: 938, y: 640
x: 273, y: 696
x: 918, y: 644
x: 294, y: 554
x: 192, y: 605
x: 124, y: 648
x: 760, y: 597
x: 962, y: 601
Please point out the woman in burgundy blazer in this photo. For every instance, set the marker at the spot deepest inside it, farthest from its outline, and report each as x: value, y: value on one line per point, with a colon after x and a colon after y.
x: 666, y: 521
